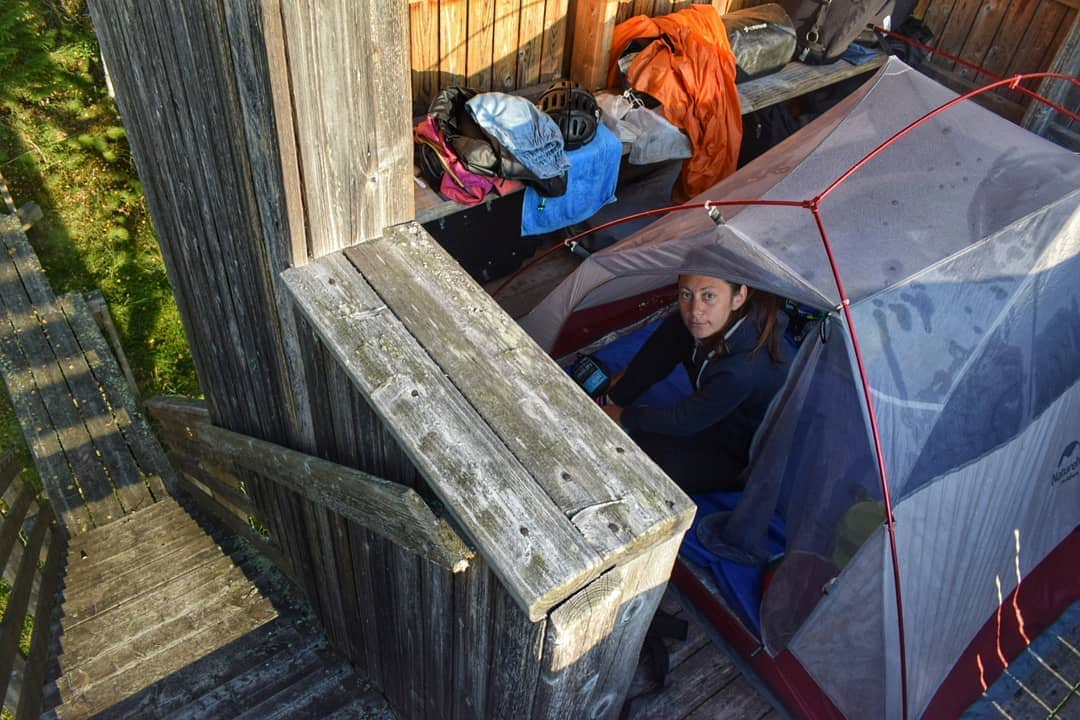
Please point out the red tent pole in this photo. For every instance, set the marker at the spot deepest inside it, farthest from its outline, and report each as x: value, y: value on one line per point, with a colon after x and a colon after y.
x: 890, y: 521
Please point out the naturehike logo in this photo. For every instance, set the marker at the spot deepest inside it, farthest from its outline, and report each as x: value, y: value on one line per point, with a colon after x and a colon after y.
x: 1069, y: 464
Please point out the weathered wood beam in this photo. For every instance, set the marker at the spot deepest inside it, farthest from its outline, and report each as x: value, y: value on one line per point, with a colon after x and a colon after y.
x: 541, y: 557
x: 619, y: 501
x: 391, y: 510
x: 347, y: 66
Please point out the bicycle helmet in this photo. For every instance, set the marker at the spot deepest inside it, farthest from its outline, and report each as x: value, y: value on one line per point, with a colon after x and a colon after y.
x: 574, y: 110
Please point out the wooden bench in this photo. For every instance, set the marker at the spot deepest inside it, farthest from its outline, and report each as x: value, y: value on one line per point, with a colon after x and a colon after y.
x: 793, y: 80
x: 93, y: 450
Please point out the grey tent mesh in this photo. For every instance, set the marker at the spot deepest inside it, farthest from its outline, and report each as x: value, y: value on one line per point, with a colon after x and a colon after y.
x: 959, y: 247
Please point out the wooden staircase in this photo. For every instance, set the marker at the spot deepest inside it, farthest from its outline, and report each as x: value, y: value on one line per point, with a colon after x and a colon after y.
x: 165, y: 616
x: 160, y: 612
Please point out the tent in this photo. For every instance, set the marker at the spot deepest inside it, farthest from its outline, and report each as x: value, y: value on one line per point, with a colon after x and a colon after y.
x: 958, y: 249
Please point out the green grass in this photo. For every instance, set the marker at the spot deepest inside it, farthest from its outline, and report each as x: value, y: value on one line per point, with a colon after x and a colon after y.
x: 63, y: 146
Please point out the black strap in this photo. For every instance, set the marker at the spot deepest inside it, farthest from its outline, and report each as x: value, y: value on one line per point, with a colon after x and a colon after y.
x: 663, y: 625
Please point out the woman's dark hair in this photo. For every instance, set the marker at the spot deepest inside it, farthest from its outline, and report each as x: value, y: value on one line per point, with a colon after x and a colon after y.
x: 762, y: 307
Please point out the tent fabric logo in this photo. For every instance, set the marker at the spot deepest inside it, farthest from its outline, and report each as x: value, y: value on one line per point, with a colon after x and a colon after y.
x: 1069, y: 465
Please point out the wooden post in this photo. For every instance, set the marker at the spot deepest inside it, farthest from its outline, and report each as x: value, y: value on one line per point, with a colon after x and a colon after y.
x: 593, y: 27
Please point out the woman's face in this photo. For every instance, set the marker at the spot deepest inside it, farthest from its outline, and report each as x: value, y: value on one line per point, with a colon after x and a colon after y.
x: 706, y: 303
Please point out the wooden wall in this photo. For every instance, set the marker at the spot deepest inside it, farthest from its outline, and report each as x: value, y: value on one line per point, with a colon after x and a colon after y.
x: 1004, y: 36
x: 502, y: 45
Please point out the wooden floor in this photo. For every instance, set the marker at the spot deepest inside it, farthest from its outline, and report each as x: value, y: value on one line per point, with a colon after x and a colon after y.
x: 1043, y: 682
x: 161, y: 618
x: 702, y: 683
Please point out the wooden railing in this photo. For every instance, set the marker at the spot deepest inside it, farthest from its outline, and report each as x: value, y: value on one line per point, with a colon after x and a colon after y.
x: 210, y: 460
x: 32, y: 549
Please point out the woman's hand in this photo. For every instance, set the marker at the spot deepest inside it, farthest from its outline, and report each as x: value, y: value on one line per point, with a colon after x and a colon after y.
x: 614, y: 412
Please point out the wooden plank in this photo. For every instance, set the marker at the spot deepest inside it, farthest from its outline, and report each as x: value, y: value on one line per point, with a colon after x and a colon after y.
x: 171, y: 644
x: 737, y: 700
x: 353, y: 128
x: 242, y: 529
x: 366, y: 576
x: 438, y: 617
x: 13, y: 522
x: 479, y: 60
x: 505, y: 42
x: 1004, y: 46
x: 516, y: 648
x: 114, y: 627
x: 302, y: 697
x: 392, y: 510
x: 981, y: 34
x: 81, y: 352
x: 263, y: 645
x: 124, y: 534
x: 424, y: 53
x: 100, y: 309
x: 34, y: 677
x: 618, y: 500
x: 17, y: 279
x: 954, y: 32
x: 1033, y: 48
x: 552, y: 53
x: 213, y: 477
x: 261, y: 67
x: 19, y: 600
x: 662, y: 7
x: 472, y: 651
x: 530, y: 42
x: 453, y: 42
x: 242, y: 692
x: 594, y: 639
x: 796, y: 79
x: 936, y: 18
x: 593, y: 27
x: 160, y: 541
x: 643, y: 7
x: 540, y: 556
x: 406, y: 610
x: 1067, y: 61
x: 109, y: 592
x: 173, y: 73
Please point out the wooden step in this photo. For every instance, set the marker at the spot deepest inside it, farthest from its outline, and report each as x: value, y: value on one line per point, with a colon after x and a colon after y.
x: 94, y: 569
x: 271, y: 640
x: 125, y: 526
x: 240, y: 693
x: 314, y: 695
x: 128, y: 668
x: 122, y: 623
x: 142, y: 580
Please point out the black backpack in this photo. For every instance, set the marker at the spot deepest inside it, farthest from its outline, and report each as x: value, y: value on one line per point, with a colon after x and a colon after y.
x: 825, y: 28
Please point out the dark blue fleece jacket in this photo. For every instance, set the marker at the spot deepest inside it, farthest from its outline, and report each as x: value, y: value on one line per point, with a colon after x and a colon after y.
x: 732, y: 388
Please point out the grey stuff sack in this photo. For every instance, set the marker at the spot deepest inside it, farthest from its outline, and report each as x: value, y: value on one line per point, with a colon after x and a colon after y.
x: 762, y: 38
x: 825, y: 28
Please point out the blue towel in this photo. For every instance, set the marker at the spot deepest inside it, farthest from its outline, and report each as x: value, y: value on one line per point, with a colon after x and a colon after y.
x: 590, y: 184
x: 857, y: 54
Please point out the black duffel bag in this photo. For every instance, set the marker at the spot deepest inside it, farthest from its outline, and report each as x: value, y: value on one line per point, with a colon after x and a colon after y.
x: 762, y: 38
x: 825, y: 28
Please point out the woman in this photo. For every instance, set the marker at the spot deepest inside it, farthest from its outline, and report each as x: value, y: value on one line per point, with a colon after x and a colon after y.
x: 729, y: 338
